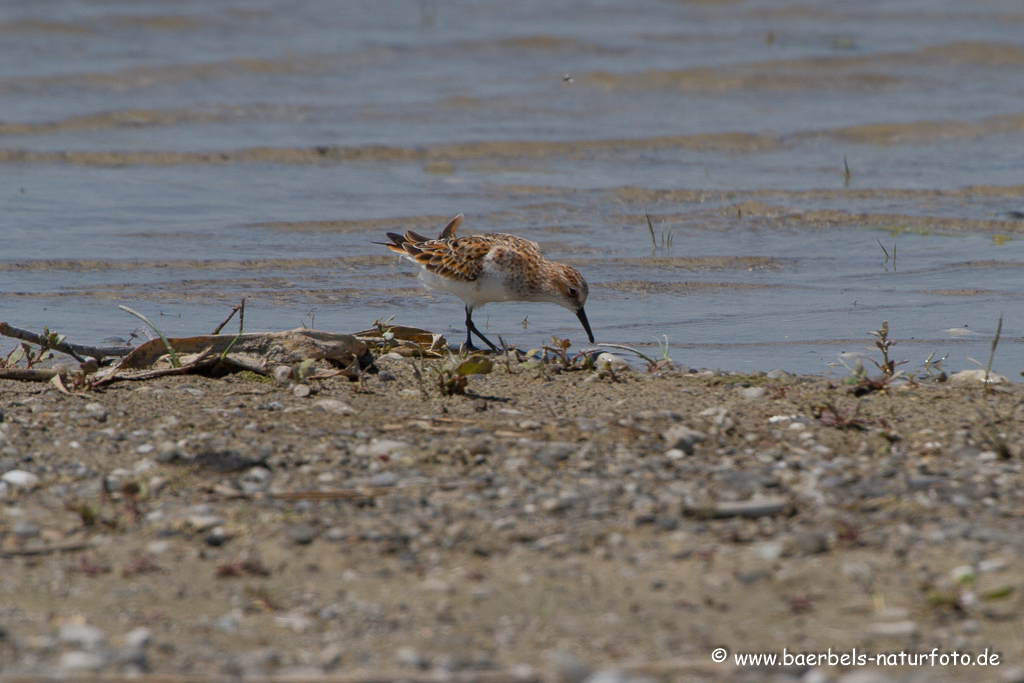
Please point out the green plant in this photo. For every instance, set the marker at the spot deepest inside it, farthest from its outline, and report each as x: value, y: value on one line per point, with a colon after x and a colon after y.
x: 882, y: 341
x: 453, y: 379
x: 175, y: 363
x: 666, y: 239
x: 311, y: 317
x: 30, y: 354
x: 992, y: 353
x: 383, y: 328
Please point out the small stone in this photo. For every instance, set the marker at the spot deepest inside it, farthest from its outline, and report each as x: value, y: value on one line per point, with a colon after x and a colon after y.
x: 330, y: 656
x: 138, y: 638
x: 811, y: 542
x: 407, y: 656
x: 609, y: 361
x: 380, y: 447
x: 976, y: 375
x: 204, y: 522
x: 20, y: 479
x: 301, y: 390
x: 894, y: 628
x: 550, y: 454
x: 566, y: 668
x: 283, y: 374
x: 777, y: 374
x: 25, y: 529
x: 301, y: 533
x: 681, y: 437
x: 217, y: 536
x: 96, y: 411
x: 82, y: 661
x: 333, y: 406
x: 752, y: 393
x: 770, y: 550
x: 82, y: 635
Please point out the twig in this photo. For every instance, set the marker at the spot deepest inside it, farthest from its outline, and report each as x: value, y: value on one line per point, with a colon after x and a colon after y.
x: 237, y: 308
x: 631, y: 349
x: 78, y: 351
x: 992, y: 353
x: 46, y: 549
x: 170, y: 349
x: 31, y: 374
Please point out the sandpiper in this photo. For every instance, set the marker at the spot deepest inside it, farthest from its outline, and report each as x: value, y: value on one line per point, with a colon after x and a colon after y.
x: 480, y: 269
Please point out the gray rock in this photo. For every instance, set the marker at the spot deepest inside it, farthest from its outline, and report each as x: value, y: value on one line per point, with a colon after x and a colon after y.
x: 301, y: 533
x: 617, y: 676
x: 333, y: 406
x: 566, y: 668
x: 811, y: 542
x: 682, y: 438
x: 77, y: 660
x: 894, y: 628
x: 407, y: 656
x: 82, y: 635
x: 20, y: 479
x: 550, y: 454
x: 138, y: 638
x: 25, y: 529
x: 752, y: 393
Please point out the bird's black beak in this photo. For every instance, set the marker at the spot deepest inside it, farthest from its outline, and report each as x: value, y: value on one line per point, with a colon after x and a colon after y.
x: 582, y: 315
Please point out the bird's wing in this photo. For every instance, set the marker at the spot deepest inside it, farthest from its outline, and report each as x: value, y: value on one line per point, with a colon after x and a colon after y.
x: 455, y: 258
x: 449, y: 230
x: 512, y: 247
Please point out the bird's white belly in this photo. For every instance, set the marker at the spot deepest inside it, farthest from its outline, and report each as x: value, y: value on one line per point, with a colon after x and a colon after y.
x: 485, y: 289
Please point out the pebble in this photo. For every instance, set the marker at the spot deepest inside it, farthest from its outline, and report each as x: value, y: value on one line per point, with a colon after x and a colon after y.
x: 204, y: 522
x: 550, y: 454
x: 333, y: 406
x: 681, y: 437
x: 756, y: 507
x: 410, y: 657
x: 20, y: 478
x: 811, y: 542
x: 605, y: 361
x: 82, y: 635
x: 301, y: 533
x: 752, y: 393
x: 25, y: 529
x: 566, y: 668
x: 77, y: 660
x: 301, y: 390
x: 976, y: 375
x: 617, y: 676
x: 380, y: 447
x: 139, y: 637
x: 888, y: 629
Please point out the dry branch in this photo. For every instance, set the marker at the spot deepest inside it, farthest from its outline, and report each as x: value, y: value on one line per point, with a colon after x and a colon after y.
x: 77, y: 351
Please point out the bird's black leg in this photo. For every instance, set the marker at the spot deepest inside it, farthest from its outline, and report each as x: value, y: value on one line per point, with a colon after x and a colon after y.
x: 471, y: 330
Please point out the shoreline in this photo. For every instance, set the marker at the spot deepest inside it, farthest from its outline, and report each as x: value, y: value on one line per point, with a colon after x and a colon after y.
x: 548, y: 520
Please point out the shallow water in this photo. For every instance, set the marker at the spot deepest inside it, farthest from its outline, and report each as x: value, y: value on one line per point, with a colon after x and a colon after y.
x: 175, y: 158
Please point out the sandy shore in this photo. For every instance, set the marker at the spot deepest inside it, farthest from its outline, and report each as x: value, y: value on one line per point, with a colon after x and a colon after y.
x: 547, y: 524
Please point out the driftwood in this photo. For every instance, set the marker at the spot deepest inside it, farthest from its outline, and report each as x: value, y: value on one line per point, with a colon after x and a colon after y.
x: 277, y: 348
x: 77, y: 351
x: 226, y: 353
x: 219, y: 354
x: 407, y: 341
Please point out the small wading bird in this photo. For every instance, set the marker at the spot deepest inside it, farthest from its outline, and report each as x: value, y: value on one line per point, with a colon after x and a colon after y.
x: 480, y: 269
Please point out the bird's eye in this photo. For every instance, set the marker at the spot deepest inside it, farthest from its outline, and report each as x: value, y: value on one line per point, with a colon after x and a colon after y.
x: 572, y: 291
